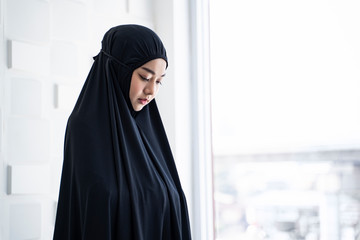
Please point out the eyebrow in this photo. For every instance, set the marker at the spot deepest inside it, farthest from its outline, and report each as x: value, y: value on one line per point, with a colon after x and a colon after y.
x: 151, y: 71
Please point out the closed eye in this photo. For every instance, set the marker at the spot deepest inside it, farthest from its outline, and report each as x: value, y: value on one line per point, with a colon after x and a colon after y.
x: 144, y: 78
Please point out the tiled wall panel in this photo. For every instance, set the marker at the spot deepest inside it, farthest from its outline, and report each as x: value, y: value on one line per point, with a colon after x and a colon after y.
x: 66, y: 96
x: 141, y: 9
x: 113, y: 8
x: 25, y: 221
x: 1, y: 131
x: 58, y: 133
x: 28, y: 140
x: 29, y: 57
x: 57, y: 163
x: 74, y: 26
x: 64, y: 59
x: 29, y: 179
x: 28, y: 20
x: 25, y: 97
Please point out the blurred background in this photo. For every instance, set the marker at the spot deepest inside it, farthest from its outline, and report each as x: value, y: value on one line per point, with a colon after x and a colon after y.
x: 286, y: 119
x: 260, y: 104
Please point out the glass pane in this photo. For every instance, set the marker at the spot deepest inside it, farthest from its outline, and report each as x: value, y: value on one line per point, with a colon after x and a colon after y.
x: 285, y: 199
x: 286, y: 119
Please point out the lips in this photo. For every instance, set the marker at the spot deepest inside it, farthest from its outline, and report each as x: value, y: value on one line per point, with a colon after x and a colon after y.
x: 143, y: 101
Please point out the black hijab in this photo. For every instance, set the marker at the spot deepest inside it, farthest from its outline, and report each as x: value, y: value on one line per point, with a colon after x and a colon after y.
x: 119, y: 179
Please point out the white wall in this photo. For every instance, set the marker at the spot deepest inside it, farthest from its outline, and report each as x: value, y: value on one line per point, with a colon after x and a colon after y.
x: 46, y: 52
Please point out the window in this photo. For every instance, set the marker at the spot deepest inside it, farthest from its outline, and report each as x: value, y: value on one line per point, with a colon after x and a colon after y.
x: 286, y: 119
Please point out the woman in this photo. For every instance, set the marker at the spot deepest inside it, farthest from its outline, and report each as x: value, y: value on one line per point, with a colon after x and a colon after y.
x: 119, y: 179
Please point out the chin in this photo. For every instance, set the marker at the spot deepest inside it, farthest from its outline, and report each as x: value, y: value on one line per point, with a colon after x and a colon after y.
x: 138, y: 108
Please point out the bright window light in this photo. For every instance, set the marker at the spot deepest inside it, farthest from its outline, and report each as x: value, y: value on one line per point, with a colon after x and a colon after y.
x: 285, y: 80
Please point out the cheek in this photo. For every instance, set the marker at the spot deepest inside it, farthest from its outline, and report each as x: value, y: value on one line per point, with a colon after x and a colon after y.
x: 135, y: 88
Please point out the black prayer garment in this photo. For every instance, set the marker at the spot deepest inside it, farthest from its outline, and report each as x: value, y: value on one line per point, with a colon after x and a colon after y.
x: 119, y: 180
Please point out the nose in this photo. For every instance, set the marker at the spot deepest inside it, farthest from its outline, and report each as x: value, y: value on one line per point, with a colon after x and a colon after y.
x: 150, y: 88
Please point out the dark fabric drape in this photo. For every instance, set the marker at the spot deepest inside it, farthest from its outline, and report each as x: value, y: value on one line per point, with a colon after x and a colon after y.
x: 119, y: 179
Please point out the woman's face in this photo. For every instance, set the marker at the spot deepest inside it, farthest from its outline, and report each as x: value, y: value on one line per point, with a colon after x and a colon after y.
x: 145, y: 82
